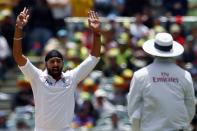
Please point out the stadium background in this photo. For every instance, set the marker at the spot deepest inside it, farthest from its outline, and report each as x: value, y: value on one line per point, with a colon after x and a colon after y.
x: 62, y: 25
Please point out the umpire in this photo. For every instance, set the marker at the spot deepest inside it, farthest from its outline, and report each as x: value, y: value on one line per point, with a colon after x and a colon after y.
x: 161, y: 96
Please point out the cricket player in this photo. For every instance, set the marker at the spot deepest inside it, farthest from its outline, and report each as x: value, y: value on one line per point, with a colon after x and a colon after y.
x: 54, y: 89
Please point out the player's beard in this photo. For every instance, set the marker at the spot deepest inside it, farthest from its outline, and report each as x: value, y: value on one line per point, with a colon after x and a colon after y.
x: 55, y: 73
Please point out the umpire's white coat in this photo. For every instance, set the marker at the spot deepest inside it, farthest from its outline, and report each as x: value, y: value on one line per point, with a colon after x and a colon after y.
x: 161, y: 97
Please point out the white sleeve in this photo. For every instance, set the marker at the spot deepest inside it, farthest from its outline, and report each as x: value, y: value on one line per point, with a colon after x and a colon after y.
x: 134, y: 99
x: 30, y: 71
x: 82, y: 71
x: 4, y: 48
x: 190, y: 97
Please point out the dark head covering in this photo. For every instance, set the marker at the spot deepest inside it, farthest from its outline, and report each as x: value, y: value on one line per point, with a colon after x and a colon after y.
x: 53, y: 53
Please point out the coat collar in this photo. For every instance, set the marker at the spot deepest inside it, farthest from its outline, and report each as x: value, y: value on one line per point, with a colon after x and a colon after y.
x: 164, y: 60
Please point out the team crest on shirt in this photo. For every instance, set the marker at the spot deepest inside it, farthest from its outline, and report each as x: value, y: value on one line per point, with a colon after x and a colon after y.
x: 48, y: 82
x: 66, y: 81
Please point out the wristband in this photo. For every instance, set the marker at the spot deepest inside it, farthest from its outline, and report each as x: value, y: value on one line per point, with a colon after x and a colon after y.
x: 20, y: 38
x: 19, y: 27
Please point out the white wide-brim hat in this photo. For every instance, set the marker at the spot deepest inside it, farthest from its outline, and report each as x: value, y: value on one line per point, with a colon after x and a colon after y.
x: 163, y: 46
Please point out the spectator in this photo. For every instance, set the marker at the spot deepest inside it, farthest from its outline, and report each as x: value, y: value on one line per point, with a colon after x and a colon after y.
x: 189, y: 55
x: 191, y: 47
x: 120, y: 88
x: 89, y: 85
x: 5, y: 55
x: 176, y: 32
x: 134, y: 6
x: 59, y: 42
x: 116, y: 124
x: 7, y: 5
x: 124, y: 49
x: 157, y: 27
x: 7, y: 26
x: 41, y: 27
x: 109, y: 36
x: 113, y: 122
x: 101, y: 104
x: 60, y: 10
x: 80, y: 8
x: 138, y: 30
x: 109, y: 8
x: 21, y: 119
x: 24, y: 96
x: 3, y: 121
x: 192, y: 8
x: 86, y: 115
x: 175, y: 7
x: 83, y: 119
x: 156, y: 7
x: 112, y: 67
x: 103, y: 7
x: 117, y: 8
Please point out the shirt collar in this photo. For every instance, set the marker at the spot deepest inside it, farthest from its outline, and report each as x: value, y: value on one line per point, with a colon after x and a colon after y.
x: 46, y: 75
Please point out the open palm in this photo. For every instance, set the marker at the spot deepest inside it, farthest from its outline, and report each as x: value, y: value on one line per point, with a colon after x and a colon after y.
x: 22, y: 18
x: 94, y: 22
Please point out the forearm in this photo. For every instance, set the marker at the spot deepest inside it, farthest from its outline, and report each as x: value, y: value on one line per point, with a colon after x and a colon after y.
x: 96, y: 45
x: 17, y: 47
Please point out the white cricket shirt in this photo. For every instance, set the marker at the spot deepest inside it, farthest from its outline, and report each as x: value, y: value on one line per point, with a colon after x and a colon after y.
x: 165, y: 95
x: 54, y: 100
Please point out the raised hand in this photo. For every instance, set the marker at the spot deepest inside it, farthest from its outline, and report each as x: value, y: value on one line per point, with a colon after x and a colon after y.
x: 94, y: 22
x: 22, y: 18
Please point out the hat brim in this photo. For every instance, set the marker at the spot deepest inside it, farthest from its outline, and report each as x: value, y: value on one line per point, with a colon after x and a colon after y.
x: 177, y: 49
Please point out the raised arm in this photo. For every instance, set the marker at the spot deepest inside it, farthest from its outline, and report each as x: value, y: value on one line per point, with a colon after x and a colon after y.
x: 82, y: 71
x: 21, y: 21
x: 94, y: 25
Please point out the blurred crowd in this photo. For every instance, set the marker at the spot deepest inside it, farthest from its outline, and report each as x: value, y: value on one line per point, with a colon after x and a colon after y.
x: 101, y: 97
